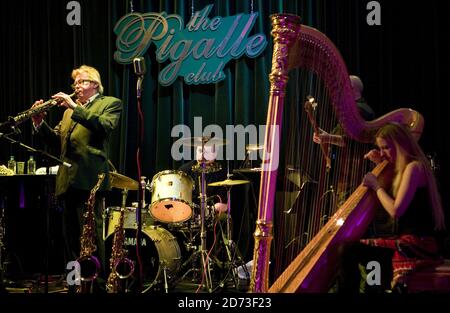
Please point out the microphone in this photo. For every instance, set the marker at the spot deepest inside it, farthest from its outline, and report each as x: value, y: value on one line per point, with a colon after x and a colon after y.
x: 139, y: 66
x: 139, y: 70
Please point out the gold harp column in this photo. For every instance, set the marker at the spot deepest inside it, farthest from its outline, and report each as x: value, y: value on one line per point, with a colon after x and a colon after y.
x: 285, y: 30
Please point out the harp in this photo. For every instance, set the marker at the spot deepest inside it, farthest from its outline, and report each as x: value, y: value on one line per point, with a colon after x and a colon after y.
x: 296, y: 47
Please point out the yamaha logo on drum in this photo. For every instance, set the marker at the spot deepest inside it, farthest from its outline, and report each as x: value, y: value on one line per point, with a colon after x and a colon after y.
x: 131, y: 241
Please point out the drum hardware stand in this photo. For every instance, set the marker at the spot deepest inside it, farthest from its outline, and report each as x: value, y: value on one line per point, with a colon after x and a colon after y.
x: 155, y: 282
x: 193, y: 250
x: 190, y: 244
x: 192, y: 269
x: 166, y: 284
x: 203, y: 250
x: 248, y: 161
x: 231, y: 249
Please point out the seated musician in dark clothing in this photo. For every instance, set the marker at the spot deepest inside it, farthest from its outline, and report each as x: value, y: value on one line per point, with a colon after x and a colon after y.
x: 213, y: 173
x: 337, y: 136
x: 413, y: 201
x: 218, y: 220
x: 350, y: 167
x: 216, y: 206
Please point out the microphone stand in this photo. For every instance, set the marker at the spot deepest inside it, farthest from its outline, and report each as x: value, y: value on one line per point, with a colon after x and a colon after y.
x: 45, y: 157
x: 34, y: 150
x: 141, y: 188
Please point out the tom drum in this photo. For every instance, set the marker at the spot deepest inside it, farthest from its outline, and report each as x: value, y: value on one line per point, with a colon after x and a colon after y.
x: 171, y: 196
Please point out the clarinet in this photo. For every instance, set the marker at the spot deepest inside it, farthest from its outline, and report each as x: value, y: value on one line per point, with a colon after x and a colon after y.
x: 25, y: 115
x: 89, y: 264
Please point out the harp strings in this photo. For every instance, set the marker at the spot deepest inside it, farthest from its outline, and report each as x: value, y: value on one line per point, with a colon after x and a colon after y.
x: 308, y: 195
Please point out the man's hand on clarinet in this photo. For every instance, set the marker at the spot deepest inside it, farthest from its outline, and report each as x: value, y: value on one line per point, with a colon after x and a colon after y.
x: 37, y: 118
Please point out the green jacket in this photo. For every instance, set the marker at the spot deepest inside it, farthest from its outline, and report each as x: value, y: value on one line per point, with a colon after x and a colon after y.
x: 84, y: 137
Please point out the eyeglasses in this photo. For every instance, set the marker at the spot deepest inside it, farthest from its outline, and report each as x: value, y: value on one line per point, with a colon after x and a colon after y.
x: 82, y: 82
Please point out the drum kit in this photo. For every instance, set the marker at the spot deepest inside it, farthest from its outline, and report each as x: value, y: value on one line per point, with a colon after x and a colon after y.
x: 174, y: 228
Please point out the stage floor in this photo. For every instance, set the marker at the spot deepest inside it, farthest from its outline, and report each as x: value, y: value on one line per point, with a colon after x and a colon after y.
x: 38, y: 283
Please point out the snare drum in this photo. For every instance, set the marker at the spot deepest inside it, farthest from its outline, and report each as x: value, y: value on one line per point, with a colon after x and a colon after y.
x: 171, y: 196
x: 129, y: 219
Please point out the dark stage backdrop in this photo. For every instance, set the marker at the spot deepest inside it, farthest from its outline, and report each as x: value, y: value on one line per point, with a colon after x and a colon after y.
x: 404, y: 62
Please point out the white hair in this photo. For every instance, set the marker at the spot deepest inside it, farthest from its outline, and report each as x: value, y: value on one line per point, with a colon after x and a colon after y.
x: 357, y: 86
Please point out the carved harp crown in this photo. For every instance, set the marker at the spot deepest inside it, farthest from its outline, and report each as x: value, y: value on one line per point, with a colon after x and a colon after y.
x: 299, y: 46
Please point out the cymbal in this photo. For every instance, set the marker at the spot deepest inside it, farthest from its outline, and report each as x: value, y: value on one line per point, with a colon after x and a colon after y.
x: 123, y: 182
x: 298, y: 177
x: 206, y: 141
x: 248, y: 170
x: 209, y: 167
x: 229, y: 182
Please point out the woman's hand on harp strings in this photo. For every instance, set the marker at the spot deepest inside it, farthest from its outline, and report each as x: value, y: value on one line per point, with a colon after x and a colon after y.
x: 374, y: 155
x: 371, y: 181
x: 322, y: 137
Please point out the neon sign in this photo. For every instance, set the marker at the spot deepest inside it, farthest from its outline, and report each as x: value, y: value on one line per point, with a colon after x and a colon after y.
x: 197, y: 52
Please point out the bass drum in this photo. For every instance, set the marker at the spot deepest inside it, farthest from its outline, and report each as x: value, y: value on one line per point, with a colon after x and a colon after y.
x: 160, y: 255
